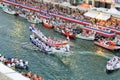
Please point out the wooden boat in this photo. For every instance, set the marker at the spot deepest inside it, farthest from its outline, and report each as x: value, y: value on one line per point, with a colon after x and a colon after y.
x: 86, y: 34
x: 9, y: 11
x: 113, y: 64
x: 16, y: 63
x: 22, y: 15
x: 47, y: 25
x: 92, y: 37
x: 46, y: 48
x: 107, y: 45
x: 48, y: 41
x: 68, y: 34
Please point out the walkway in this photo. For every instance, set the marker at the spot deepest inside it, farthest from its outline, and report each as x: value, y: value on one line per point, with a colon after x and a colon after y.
x: 11, y: 74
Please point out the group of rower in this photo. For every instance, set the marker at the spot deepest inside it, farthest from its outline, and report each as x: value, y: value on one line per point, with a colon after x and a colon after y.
x: 40, y: 44
x: 47, y: 44
x: 14, y: 62
x: 50, y: 41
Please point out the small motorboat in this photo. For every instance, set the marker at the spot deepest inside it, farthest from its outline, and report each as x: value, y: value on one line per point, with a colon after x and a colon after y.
x: 22, y: 15
x: 113, y: 64
x: 69, y: 34
x: 92, y: 37
x: 47, y: 25
x: 8, y: 10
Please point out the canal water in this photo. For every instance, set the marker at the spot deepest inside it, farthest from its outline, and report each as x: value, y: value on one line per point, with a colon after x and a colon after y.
x: 86, y: 61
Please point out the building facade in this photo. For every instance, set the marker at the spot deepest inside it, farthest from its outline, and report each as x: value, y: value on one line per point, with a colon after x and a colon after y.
x: 98, y: 3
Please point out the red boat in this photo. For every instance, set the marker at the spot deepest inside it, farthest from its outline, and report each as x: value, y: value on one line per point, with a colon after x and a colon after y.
x: 47, y: 25
x: 68, y: 34
x: 108, y: 41
x: 109, y: 46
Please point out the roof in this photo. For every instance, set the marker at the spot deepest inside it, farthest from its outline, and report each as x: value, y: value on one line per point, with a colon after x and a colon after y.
x: 97, y: 15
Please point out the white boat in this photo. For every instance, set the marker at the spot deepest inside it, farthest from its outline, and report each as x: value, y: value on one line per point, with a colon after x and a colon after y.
x: 23, y: 16
x: 113, y: 64
x: 46, y: 48
x: 85, y: 37
x: 9, y: 11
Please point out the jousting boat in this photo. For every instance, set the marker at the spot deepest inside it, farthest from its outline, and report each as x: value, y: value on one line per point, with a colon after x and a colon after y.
x: 42, y: 46
x: 113, y: 64
x: 48, y: 41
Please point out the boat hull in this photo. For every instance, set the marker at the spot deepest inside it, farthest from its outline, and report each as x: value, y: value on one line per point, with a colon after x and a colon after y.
x: 9, y: 12
x: 52, y: 50
x: 47, y: 25
x: 85, y: 37
x: 111, y: 71
x: 67, y: 34
x: 109, y: 47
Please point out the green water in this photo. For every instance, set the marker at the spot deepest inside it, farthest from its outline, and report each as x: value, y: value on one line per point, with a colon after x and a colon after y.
x: 86, y: 62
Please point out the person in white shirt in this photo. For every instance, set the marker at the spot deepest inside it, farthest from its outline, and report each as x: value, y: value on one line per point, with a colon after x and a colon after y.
x: 21, y: 63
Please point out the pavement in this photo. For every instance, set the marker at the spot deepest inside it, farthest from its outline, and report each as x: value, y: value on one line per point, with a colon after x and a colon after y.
x: 7, y: 73
x: 3, y: 77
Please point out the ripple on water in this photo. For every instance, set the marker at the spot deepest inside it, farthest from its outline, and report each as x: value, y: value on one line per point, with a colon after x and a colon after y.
x: 86, y: 62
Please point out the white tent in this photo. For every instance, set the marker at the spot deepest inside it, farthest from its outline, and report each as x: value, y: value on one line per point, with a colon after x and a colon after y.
x: 97, y: 15
x: 91, y: 14
x: 103, y: 16
x: 113, y: 11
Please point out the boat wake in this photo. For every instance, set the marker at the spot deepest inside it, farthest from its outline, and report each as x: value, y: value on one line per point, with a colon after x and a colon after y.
x: 29, y: 46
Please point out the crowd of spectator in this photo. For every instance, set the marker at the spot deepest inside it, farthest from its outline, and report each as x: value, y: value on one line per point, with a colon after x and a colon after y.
x: 74, y: 13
